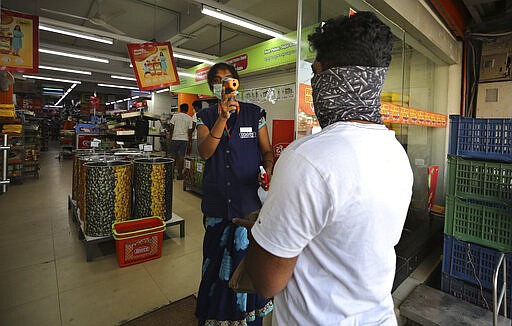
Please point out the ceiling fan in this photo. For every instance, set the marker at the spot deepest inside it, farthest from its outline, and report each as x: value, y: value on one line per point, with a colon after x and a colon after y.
x: 99, y: 18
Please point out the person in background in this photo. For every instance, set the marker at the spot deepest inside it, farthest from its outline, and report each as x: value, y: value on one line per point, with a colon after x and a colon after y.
x: 69, y: 124
x: 233, y: 139
x: 163, y: 63
x: 17, y: 40
x: 324, y: 240
x: 180, y: 134
x: 197, y: 106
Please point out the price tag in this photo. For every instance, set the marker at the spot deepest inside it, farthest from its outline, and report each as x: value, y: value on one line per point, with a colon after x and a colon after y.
x: 199, y: 167
x: 96, y: 140
x: 95, y: 144
x: 187, y: 164
x: 141, y: 147
x: 148, y: 148
x: 120, y: 143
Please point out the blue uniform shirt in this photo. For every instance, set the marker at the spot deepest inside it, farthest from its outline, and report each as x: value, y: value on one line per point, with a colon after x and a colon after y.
x: 230, y: 177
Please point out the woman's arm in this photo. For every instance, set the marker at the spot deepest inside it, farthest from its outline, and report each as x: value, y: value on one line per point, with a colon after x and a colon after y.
x: 208, y: 140
x: 267, y: 154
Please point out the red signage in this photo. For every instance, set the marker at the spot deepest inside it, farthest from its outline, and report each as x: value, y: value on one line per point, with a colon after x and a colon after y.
x: 433, y: 172
x: 239, y: 62
x: 83, y: 141
x: 201, y: 74
x: 282, y: 135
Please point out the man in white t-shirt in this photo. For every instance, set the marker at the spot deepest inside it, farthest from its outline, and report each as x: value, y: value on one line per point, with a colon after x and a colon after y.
x: 180, y: 133
x: 324, y: 240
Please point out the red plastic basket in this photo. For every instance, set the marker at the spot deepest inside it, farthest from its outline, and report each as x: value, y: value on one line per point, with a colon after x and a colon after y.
x: 138, y: 240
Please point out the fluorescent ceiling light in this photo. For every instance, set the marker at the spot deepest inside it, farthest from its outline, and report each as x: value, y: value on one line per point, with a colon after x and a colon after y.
x: 76, y: 34
x: 123, y: 77
x: 66, y: 94
x: 53, y: 89
x: 135, y: 97
x: 222, y: 15
x: 73, y: 71
x: 118, y: 86
x: 197, y: 59
x: 162, y: 90
x: 73, y: 55
x: 52, y: 93
x: 119, y: 101
x: 52, y: 79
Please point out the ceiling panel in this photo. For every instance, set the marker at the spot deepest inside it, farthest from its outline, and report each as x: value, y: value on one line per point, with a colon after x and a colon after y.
x: 177, y: 20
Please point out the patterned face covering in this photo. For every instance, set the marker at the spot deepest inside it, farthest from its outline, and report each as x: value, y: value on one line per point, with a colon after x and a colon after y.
x: 348, y: 93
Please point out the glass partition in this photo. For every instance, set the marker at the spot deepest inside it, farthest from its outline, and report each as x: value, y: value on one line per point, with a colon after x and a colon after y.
x: 415, y: 79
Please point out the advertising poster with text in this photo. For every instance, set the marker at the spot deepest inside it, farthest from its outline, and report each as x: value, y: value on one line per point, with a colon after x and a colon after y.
x: 19, y: 42
x: 153, y: 65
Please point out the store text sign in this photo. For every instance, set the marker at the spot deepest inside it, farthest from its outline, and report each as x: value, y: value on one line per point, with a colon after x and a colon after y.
x: 153, y: 65
x: 19, y: 42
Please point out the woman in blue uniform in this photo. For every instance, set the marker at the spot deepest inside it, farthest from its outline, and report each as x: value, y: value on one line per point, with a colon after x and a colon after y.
x: 233, y: 139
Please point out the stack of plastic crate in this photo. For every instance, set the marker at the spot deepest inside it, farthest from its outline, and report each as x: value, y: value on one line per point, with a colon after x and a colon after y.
x: 478, y: 223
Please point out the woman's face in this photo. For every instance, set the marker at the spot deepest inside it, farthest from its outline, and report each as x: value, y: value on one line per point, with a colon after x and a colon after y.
x: 220, y: 75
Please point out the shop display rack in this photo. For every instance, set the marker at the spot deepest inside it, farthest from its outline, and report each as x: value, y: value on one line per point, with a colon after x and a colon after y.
x: 16, y: 153
x: 4, y: 148
x: 193, y: 174
x: 32, y: 137
x: 74, y: 213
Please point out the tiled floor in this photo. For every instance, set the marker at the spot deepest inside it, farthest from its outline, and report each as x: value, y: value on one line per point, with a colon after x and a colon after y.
x: 46, y: 280
x: 44, y: 276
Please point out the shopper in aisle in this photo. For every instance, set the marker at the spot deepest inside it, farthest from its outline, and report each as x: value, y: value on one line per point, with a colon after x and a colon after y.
x: 69, y: 124
x: 324, y: 241
x: 180, y: 134
x: 197, y: 106
x: 233, y: 139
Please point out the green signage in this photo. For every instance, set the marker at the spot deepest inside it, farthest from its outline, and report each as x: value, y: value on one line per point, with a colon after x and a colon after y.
x: 266, y: 55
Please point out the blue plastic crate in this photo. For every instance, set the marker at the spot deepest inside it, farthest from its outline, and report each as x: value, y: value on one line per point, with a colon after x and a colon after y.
x: 472, y: 263
x: 487, y: 139
x: 471, y: 293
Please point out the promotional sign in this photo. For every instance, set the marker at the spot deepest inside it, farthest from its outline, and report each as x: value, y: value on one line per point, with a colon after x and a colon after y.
x: 153, y: 65
x: 282, y: 135
x: 19, y: 42
x: 408, y: 116
x: 306, y: 99
x: 84, y: 141
x: 262, y: 56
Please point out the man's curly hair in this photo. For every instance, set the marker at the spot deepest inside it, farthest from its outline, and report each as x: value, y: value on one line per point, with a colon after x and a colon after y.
x: 359, y: 40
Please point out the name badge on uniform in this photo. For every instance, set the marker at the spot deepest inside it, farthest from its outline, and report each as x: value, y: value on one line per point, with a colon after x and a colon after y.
x: 246, y: 132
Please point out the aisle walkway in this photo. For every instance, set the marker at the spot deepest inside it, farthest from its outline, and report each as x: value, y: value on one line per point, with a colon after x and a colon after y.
x: 44, y: 276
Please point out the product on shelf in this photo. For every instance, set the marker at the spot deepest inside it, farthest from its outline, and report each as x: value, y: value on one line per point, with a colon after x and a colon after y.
x: 107, y: 196
x: 81, y: 178
x: 153, y: 187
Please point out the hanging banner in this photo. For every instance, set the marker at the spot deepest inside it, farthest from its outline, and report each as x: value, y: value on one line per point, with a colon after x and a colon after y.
x: 19, y: 42
x: 262, y: 56
x: 153, y: 65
